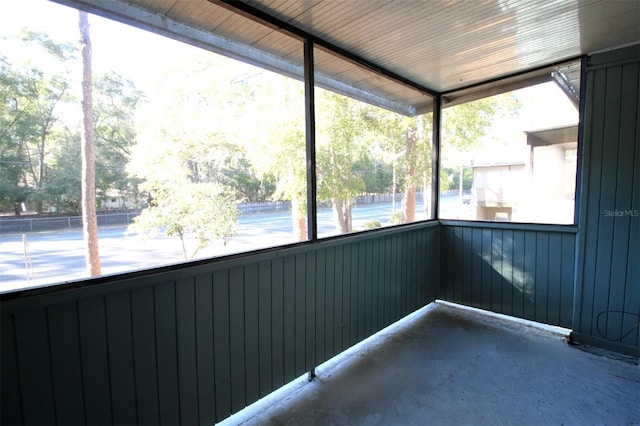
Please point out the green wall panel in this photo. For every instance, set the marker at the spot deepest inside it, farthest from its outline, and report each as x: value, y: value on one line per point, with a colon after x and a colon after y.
x: 194, y: 344
x: 518, y: 270
x: 608, y: 297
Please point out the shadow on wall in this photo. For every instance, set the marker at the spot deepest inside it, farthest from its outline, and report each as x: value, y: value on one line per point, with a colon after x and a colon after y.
x: 527, y: 274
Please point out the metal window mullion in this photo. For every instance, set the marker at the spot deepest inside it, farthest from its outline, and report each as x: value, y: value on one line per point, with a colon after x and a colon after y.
x: 310, y: 132
x: 435, y: 158
x: 577, y: 197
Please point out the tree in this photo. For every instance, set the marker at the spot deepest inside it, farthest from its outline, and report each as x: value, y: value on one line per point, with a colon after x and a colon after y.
x: 282, y: 149
x: 337, y: 148
x: 201, y: 212
x: 405, y: 142
x: 115, y: 102
x: 63, y: 188
x: 13, y: 162
x: 32, y: 95
x: 464, y: 126
x: 89, y: 220
x: 184, y: 167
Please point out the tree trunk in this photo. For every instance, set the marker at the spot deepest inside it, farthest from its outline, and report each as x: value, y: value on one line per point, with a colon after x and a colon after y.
x: 426, y: 196
x: 411, y: 140
x: 299, y: 220
x: 89, y: 221
x: 410, y: 203
x: 342, y: 209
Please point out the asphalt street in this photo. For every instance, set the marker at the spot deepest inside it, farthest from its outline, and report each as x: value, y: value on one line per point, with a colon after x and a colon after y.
x: 57, y: 257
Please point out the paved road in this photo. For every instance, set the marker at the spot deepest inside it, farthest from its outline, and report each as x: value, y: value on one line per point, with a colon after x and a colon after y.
x: 59, y: 256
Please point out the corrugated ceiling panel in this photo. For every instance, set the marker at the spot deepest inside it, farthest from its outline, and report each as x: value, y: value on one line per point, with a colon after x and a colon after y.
x: 368, y: 81
x: 450, y: 44
x: 282, y: 46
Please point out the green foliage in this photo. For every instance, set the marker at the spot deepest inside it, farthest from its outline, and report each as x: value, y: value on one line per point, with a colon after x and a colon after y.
x: 397, y: 218
x: 199, y: 214
x: 372, y: 224
x: 377, y: 176
x: 31, y: 97
x: 464, y: 125
x: 450, y: 178
x: 62, y: 189
x: 339, y: 145
x: 115, y: 102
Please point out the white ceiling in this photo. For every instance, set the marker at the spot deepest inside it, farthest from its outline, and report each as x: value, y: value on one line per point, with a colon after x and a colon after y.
x: 448, y: 44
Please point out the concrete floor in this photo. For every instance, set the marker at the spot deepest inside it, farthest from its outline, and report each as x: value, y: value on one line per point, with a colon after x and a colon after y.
x: 450, y: 366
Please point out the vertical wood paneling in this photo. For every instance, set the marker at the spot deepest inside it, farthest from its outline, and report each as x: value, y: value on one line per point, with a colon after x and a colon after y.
x: 120, y: 342
x: 10, y: 387
x: 65, y: 359
x: 346, y: 297
x: 237, y: 329
x: 497, y: 268
x: 289, y: 301
x: 397, y: 275
x: 627, y: 227
x: 376, y: 317
x: 607, y: 198
x: 368, y: 287
x: 554, y: 273
x: 95, y: 360
x: 252, y: 338
x: 387, y: 262
x: 541, y: 277
x: 187, y: 357
x: 529, y: 285
x: 34, y: 367
x: 404, y: 275
x: 204, y: 348
x: 194, y: 348
x: 277, y: 322
x: 608, y: 299
x: 167, y: 353
x: 518, y: 274
x: 476, y: 266
x: 589, y: 217
x: 362, y: 289
x: 301, y: 327
x: 338, y: 293
x: 515, y: 272
x: 485, y: 300
x: 467, y: 270
x: 320, y: 305
x: 145, y: 355
x: 262, y: 274
x: 567, y: 264
x: 330, y: 302
x: 506, y: 275
x: 310, y: 303
x: 221, y: 343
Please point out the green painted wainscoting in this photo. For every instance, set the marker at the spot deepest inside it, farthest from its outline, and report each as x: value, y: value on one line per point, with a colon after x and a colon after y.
x: 194, y: 344
x: 520, y: 270
x: 607, y: 309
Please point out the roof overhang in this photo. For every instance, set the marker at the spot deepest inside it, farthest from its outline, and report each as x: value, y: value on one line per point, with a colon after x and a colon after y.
x: 396, y: 54
x: 556, y: 136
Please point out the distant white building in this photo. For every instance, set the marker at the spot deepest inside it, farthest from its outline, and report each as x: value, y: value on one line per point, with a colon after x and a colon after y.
x: 533, y: 183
